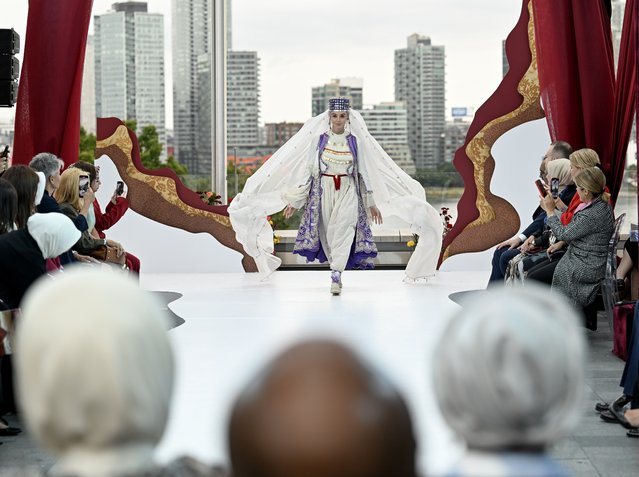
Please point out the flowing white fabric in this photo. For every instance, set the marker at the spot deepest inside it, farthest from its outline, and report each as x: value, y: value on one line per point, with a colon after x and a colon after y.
x: 394, y: 192
x: 54, y: 233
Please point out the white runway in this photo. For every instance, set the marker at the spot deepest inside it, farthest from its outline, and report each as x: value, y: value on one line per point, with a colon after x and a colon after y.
x: 234, y: 323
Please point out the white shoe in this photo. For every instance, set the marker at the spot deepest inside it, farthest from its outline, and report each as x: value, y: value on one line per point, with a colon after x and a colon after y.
x: 336, y: 288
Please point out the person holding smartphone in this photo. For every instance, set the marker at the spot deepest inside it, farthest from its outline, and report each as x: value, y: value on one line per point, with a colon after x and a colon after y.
x: 68, y: 196
x: 114, y: 211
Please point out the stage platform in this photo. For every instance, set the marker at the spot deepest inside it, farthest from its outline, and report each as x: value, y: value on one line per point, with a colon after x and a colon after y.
x: 234, y: 322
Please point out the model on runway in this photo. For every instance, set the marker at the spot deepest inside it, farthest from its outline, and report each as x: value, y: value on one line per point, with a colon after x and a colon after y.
x: 336, y: 170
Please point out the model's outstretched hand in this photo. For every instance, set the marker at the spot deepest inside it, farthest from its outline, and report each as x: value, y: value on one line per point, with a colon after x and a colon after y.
x: 376, y: 215
x: 289, y: 211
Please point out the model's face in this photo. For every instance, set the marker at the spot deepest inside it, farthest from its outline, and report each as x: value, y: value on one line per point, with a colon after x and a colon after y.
x: 338, y: 121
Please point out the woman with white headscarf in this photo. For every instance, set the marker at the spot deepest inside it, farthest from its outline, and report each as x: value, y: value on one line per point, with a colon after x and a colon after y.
x: 508, y: 377
x: 23, y: 253
x: 95, y: 388
x: 345, y: 180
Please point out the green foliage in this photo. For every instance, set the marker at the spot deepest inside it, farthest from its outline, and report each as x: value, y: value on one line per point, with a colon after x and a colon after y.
x: 241, y: 175
x: 280, y: 223
x: 445, y: 175
x: 180, y: 169
x: 151, y: 149
x: 87, y: 146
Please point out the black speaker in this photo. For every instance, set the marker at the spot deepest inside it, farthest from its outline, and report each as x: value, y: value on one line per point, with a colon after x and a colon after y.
x: 9, y: 66
x: 9, y: 42
x: 8, y: 93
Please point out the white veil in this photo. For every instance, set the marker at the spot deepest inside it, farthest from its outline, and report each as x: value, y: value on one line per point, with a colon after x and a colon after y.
x: 395, y: 193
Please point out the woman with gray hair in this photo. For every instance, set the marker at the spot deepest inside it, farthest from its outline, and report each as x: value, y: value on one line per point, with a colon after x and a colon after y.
x: 508, y: 375
x: 95, y: 376
x: 51, y: 166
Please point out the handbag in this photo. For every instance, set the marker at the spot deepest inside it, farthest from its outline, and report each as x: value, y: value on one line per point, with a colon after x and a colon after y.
x: 622, y: 320
x: 99, y: 253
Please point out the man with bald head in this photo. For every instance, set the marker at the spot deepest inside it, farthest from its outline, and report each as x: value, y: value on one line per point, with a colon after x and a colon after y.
x: 318, y: 411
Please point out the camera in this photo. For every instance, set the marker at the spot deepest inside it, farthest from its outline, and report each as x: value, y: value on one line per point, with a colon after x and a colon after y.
x: 119, y: 188
x: 84, y: 185
x: 554, y: 187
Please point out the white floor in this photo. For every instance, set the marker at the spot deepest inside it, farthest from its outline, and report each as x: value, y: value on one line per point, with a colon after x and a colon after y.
x: 235, y: 323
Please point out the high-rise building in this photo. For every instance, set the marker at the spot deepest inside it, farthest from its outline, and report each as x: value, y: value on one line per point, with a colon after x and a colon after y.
x: 339, y: 87
x: 242, y: 98
x: 87, y: 101
x: 504, y: 59
x: 129, y: 65
x: 278, y: 133
x: 618, y: 10
x: 420, y: 85
x: 191, y: 38
x: 192, y: 56
x: 388, y: 124
x: 454, y: 137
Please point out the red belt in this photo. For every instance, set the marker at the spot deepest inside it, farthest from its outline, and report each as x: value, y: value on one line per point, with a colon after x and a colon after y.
x: 337, y: 179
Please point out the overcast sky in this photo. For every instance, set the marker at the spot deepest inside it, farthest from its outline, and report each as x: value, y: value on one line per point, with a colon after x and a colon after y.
x: 304, y: 43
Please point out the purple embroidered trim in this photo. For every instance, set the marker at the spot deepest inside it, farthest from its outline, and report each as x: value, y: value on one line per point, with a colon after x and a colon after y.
x: 307, y: 242
x: 336, y: 276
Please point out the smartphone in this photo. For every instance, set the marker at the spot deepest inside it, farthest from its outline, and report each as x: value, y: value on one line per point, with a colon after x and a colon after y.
x: 554, y: 187
x: 541, y: 188
x: 119, y: 188
x: 84, y: 185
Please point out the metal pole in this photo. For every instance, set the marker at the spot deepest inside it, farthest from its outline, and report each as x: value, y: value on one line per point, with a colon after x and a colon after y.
x: 218, y: 106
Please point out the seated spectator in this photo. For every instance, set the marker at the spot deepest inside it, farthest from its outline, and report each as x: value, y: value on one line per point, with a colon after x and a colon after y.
x: 8, y: 206
x: 68, y: 197
x: 8, y: 209
x: 580, y: 271
x: 543, y: 270
x: 25, y: 180
x: 626, y: 265
x: 51, y: 167
x: 115, y: 209
x: 534, y: 249
x: 508, y: 249
x: 95, y: 387
x: 508, y: 372
x: 317, y: 411
x: 23, y: 253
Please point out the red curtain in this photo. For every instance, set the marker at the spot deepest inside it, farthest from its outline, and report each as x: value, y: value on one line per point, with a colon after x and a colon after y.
x: 584, y: 104
x: 625, y: 98
x: 48, y: 109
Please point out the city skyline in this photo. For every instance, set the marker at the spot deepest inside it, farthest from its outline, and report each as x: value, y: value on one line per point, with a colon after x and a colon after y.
x: 293, y: 59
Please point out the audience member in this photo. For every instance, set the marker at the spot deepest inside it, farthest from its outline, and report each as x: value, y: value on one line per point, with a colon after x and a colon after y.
x: 115, y: 209
x: 509, y: 379
x: 580, y: 271
x: 543, y: 270
x: 95, y: 376
x: 8, y: 206
x: 25, y: 180
x: 317, y: 411
x: 23, y: 253
x: 539, y: 246
x: 508, y: 249
x: 68, y: 197
x: 51, y: 167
